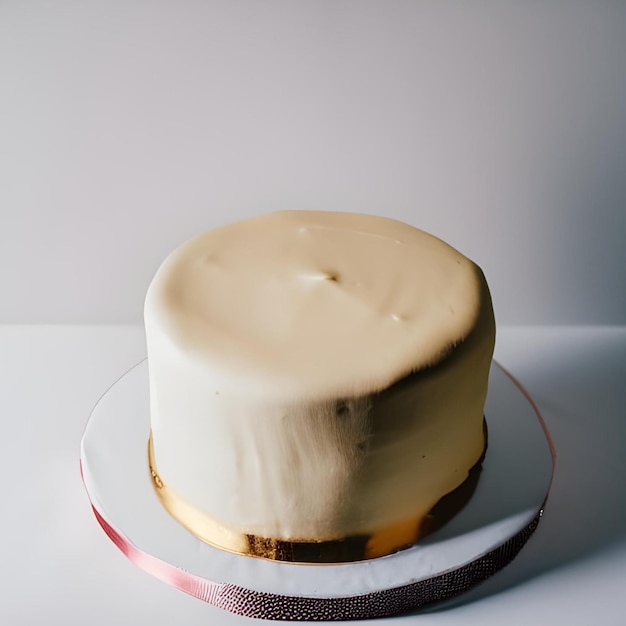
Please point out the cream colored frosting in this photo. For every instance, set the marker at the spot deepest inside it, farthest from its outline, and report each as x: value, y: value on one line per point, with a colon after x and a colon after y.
x: 317, y: 375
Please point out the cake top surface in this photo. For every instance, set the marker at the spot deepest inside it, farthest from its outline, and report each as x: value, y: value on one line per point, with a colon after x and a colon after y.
x: 315, y: 303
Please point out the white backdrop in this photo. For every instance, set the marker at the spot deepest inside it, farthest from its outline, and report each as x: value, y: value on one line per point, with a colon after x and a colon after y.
x: 128, y: 126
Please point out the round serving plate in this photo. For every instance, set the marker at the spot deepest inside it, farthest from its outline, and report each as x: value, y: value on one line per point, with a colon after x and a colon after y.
x: 483, y: 537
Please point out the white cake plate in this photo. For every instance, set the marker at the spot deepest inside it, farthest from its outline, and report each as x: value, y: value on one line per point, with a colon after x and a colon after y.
x: 483, y: 537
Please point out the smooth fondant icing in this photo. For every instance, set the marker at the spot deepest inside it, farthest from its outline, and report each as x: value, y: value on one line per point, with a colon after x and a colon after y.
x: 316, y: 376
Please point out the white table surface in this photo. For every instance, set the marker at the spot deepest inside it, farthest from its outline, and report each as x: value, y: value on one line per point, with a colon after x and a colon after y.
x: 58, y: 567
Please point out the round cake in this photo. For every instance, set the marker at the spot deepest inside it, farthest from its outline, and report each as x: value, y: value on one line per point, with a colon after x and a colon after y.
x: 317, y: 383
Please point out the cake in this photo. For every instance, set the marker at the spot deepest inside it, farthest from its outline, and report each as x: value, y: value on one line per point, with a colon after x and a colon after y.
x: 317, y: 383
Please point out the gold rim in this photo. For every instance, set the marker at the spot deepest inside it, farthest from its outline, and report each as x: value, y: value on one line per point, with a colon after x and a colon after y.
x: 349, y: 549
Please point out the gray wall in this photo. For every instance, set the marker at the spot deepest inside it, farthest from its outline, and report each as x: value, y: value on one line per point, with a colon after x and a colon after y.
x: 127, y: 127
